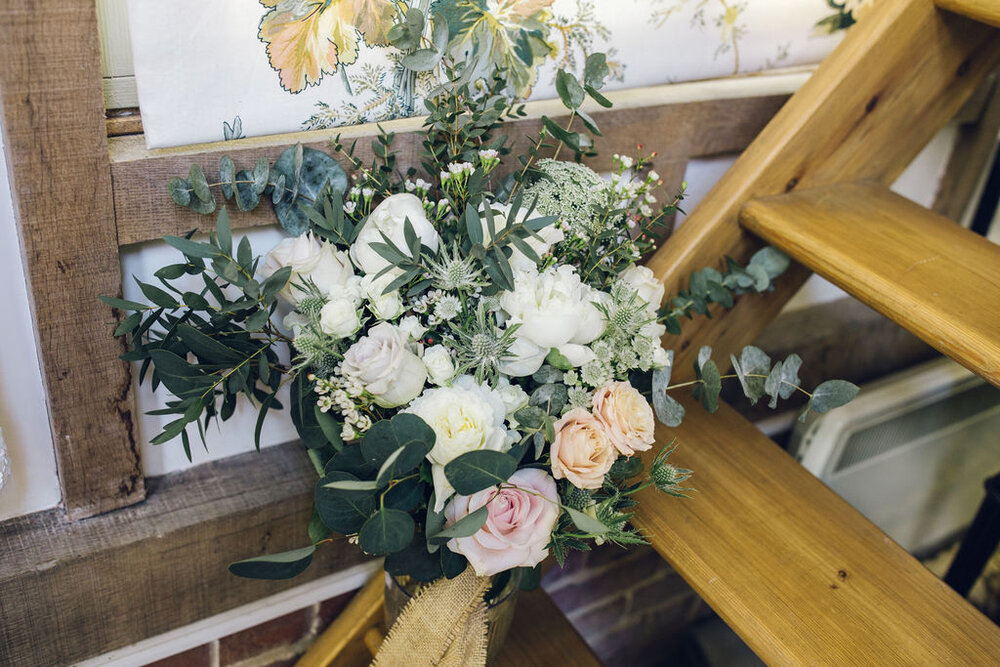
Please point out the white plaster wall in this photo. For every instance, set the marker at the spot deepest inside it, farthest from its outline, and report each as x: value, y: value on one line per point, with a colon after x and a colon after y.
x: 33, y: 484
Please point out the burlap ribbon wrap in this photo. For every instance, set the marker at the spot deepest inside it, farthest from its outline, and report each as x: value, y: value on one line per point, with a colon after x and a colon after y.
x: 444, y: 625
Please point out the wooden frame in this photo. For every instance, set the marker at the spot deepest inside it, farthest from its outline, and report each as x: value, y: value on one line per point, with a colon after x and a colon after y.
x: 79, y: 196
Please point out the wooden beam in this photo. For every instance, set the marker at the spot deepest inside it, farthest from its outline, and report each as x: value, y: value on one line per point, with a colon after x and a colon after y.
x: 71, y: 591
x: 57, y: 152
x: 919, y: 269
x: 985, y: 11
x: 798, y: 573
x: 975, y: 145
x: 899, y: 75
x: 675, y: 130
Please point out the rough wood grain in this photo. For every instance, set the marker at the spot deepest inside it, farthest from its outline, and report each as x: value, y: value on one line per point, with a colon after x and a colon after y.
x: 985, y: 11
x: 122, y: 122
x: 57, y: 151
x: 919, y: 269
x: 540, y: 635
x: 899, y: 75
x: 70, y: 591
x: 676, y: 131
x: 799, y: 574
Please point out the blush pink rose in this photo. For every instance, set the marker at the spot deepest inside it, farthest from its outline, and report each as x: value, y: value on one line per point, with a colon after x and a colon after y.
x: 582, y: 452
x: 626, y: 416
x: 522, y: 514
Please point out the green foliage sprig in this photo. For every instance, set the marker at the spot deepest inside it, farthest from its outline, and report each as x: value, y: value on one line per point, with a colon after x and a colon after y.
x: 757, y: 376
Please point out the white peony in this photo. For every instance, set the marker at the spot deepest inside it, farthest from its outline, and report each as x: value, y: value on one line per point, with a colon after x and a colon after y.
x: 340, y: 317
x: 309, y: 259
x: 554, y: 307
x: 514, y: 398
x: 440, y: 367
x: 389, y: 219
x: 547, y: 237
x: 465, y: 417
x: 385, y: 366
x: 523, y: 358
x: 383, y: 306
x: 644, y: 282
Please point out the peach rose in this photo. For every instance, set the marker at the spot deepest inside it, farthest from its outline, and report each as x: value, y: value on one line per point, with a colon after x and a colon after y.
x: 521, y: 516
x: 582, y: 452
x: 626, y: 417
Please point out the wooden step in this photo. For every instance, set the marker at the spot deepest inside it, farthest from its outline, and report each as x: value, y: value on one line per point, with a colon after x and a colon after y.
x: 539, y: 636
x: 984, y: 11
x: 938, y: 280
x: 799, y: 574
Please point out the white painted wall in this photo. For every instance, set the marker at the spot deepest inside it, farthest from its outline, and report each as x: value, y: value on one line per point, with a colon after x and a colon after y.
x: 32, y: 485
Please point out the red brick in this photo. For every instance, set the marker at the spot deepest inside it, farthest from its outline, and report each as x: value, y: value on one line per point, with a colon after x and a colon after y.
x: 248, y: 643
x: 331, y: 609
x: 287, y: 662
x: 643, y: 640
x: 601, y: 618
x: 614, y: 577
x: 199, y: 656
x: 653, y: 593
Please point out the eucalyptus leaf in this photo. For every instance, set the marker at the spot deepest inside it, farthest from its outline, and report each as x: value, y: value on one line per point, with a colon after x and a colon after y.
x: 275, y: 566
x: 832, y: 394
x: 465, y: 527
x: 386, y: 531
x: 584, y: 522
x: 340, y: 513
x: 474, y: 471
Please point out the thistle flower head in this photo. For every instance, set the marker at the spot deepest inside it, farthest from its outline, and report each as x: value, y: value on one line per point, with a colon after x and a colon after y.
x: 481, y: 346
x: 666, y: 477
x: 452, y: 271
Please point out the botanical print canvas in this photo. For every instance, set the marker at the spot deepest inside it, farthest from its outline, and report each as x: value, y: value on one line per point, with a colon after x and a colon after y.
x: 224, y: 69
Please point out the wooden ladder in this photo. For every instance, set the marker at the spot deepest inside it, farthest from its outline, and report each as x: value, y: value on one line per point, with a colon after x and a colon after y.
x: 801, y: 576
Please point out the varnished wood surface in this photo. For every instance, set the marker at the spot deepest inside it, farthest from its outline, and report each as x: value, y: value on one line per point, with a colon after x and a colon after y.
x: 986, y: 11
x: 71, y: 591
x: 799, y: 574
x: 540, y: 635
x: 921, y: 270
x: 675, y: 131
x: 897, y: 77
x: 57, y: 152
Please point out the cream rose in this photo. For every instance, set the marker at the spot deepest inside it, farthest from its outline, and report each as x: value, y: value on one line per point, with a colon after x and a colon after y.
x: 521, y: 516
x: 389, y: 218
x: 311, y: 260
x: 339, y: 317
x: 644, y: 282
x: 465, y: 417
x: 554, y: 308
x: 440, y: 367
x: 387, y: 306
x: 582, y: 451
x: 385, y: 366
x: 546, y: 237
x: 626, y: 416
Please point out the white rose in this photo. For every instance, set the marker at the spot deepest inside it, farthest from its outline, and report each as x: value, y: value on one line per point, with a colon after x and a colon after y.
x: 309, y: 259
x: 642, y: 280
x: 465, y: 417
x: 383, y: 306
x: 661, y: 358
x: 339, y: 317
x: 514, y: 398
x: 384, y: 365
x: 440, y: 367
x: 389, y: 218
x: 547, y: 237
x: 554, y: 307
x: 412, y: 327
x: 523, y: 358
x: 653, y: 330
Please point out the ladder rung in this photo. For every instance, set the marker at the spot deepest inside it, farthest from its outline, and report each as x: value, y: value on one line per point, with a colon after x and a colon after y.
x: 984, y: 11
x: 926, y: 273
x: 799, y: 574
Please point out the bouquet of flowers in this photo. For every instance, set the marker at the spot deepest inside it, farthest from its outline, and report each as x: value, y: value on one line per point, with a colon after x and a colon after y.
x: 472, y: 350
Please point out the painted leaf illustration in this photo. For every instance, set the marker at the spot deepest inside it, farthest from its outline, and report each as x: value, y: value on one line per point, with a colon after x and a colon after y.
x: 372, y: 18
x: 305, y: 40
